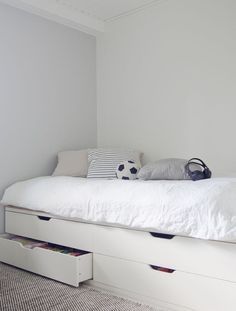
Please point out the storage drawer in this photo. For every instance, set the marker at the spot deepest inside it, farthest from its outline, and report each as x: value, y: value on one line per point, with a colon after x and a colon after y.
x: 179, y: 288
x: 58, y: 231
x: 65, y: 268
x: 207, y: 258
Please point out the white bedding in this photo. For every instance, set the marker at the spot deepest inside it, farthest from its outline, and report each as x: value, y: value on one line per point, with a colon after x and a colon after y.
x: 204, y: 209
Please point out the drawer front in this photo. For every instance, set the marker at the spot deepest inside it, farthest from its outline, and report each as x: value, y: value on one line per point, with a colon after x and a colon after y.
x: 61, y: 267
x: 209, y: 258
x: 58, y: 231
x: 179, y: 288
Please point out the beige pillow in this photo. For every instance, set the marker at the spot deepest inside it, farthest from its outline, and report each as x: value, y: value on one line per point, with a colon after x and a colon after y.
x: 72, y: 163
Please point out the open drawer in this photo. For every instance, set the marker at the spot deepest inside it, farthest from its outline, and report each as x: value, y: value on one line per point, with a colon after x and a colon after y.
x: 207, y: 258
x: 68, y: 266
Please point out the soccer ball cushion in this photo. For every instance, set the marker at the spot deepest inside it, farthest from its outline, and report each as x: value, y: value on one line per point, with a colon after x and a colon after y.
x: 127, y: 170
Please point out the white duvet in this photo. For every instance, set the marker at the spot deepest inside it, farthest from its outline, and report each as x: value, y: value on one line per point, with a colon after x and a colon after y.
x: 204, y: 209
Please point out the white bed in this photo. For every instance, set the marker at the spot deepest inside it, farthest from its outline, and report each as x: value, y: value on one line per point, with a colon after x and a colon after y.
x: 72, y: 212
x: 205, y: 209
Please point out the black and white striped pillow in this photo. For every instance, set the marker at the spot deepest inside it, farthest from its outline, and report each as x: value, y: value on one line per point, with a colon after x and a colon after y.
x: 103, y: 162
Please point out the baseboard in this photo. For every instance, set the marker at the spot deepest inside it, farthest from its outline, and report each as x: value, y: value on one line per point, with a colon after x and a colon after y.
x: 155, y: 303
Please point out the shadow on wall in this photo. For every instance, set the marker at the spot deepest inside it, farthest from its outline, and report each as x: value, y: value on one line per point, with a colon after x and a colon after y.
x: 14, y: 173
x: 48, y: 94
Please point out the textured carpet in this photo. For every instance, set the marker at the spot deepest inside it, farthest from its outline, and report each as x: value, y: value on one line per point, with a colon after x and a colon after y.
x: 21, y: 290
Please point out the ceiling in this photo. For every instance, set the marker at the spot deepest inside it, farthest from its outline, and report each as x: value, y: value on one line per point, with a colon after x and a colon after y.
x: 86, y: 15
x: 106, y: 9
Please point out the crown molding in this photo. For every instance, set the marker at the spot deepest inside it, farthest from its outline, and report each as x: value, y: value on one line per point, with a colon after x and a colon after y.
x: 135, y: 11
x: 60, y: 12
x: 64, y: 12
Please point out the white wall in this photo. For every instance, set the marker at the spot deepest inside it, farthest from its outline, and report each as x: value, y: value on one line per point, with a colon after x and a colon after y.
x: 166, y: 82
x: 47, y: 94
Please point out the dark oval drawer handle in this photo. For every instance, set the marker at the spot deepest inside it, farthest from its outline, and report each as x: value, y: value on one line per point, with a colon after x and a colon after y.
x: 162, y: 269
x: 44, y: 218
x: 162, y: 235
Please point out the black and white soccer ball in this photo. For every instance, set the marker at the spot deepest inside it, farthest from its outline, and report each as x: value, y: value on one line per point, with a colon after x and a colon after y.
x: 127, y: 170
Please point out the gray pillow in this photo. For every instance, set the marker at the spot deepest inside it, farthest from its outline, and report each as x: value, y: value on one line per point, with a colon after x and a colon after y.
x: 166, y: 169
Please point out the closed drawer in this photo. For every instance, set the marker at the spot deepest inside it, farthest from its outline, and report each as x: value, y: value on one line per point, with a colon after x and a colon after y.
x: 179, y: 288
x: 208, y: 258
x: 58, y: 231
x: 65, y: 268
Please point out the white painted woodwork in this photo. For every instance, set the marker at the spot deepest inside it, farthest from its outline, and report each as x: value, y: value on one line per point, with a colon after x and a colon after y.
x: 183, y: 289
x: 209, y: 258
x: 85, y: 15
x: 203, y: 278
x: 107, y: 9
x: 60, y: 13
x: 61, y: 267
x: 57, y: 231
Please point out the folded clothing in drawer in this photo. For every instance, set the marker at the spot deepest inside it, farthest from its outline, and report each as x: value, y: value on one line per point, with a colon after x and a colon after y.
x: 63, y: 264
x: 63, y: 250
x: 30, y: 243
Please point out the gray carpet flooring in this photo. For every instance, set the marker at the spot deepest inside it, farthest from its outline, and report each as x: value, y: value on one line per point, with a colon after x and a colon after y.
x: 24, y: 291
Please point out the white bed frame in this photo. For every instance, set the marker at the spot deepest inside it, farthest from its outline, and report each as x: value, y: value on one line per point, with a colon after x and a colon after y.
x: 202, y: 273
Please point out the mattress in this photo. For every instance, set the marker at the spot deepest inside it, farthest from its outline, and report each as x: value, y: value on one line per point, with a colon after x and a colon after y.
x: 205, y: 209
